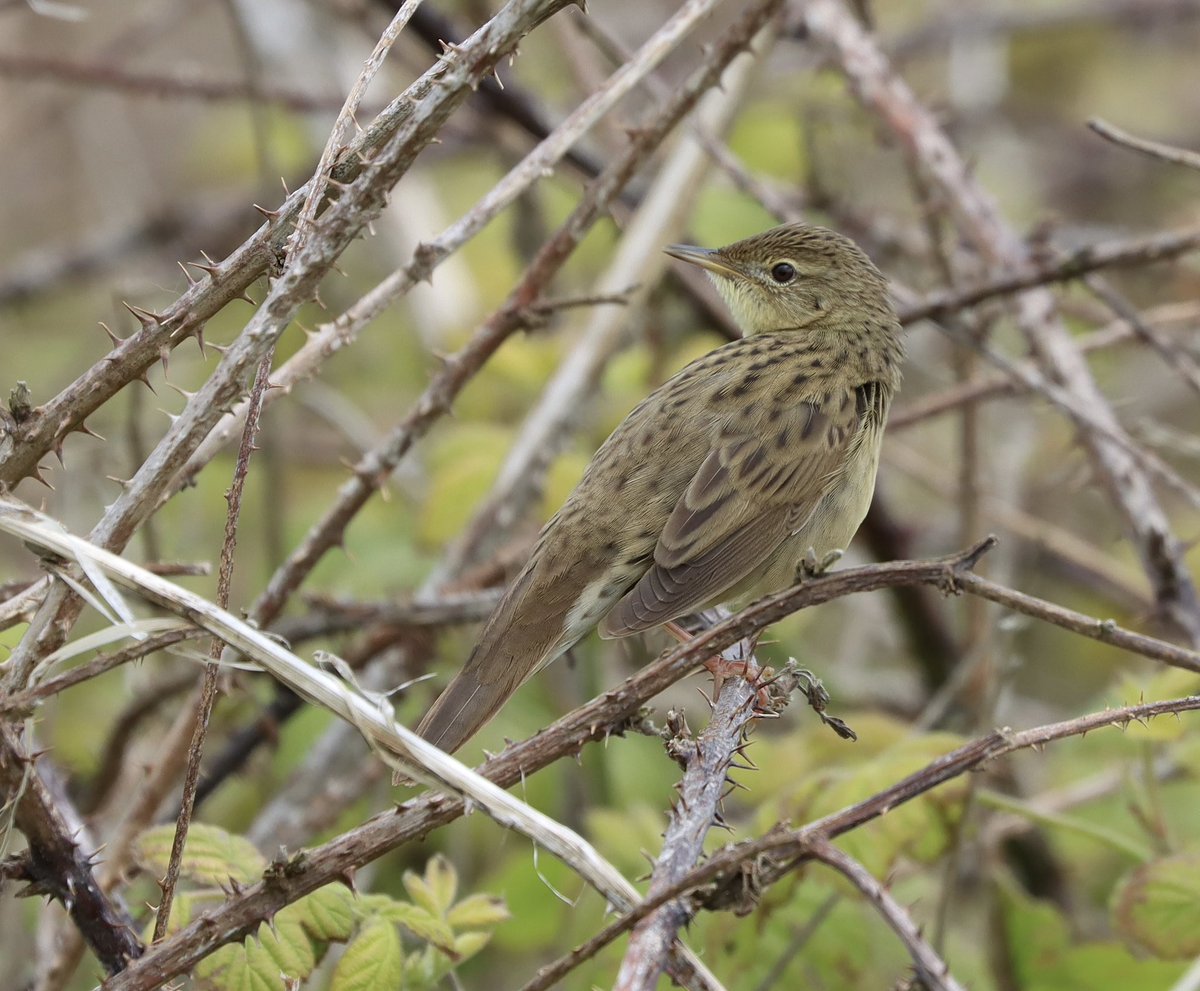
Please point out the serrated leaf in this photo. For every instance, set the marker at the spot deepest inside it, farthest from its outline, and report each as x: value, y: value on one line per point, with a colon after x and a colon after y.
x: 442, y: 879
x: 420, y: 892
x: 425, y: 967
x: 264, y: 961
x: 1157, y: 906
x: 248, y: 967
x: 288, y: 945
x: 374, y: 960
x: 421, y: 923
x: 478, y: 910
x: 326, y: 914
x: 212, y: 855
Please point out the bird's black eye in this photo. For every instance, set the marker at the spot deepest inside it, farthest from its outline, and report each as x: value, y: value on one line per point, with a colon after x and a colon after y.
x: 783, y: 273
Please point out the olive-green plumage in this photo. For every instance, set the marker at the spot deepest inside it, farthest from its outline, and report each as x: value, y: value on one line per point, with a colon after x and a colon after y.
x: 718, y: 484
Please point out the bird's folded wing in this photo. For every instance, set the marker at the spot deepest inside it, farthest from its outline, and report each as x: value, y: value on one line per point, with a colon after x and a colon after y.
x: 754, y: 489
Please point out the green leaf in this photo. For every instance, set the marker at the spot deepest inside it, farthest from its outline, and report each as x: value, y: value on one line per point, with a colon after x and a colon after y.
x: 478, y: 910
x: 263, y: 961
x: 248, y: 967
x: 423, y: 968
x: 288, y: 945
x: 326, y: 914
x: 420, y: 922
x: 443, y: 882
x: 1036, y: 932
x: 373, y: 961
x: 211, y: 856
x: 420, y: 892
x: 468, y: 944
x: 1157, y: 906
x: 1104, y: 965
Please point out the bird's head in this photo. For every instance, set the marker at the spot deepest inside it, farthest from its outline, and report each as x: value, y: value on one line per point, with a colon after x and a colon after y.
x: 792, y: 276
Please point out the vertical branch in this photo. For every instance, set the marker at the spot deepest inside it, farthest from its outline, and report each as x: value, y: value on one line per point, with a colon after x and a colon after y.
x: 706, y: 761
x: 208, y: 688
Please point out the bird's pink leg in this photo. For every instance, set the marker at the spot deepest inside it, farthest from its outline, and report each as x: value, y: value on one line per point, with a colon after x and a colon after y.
x: 720, y: 668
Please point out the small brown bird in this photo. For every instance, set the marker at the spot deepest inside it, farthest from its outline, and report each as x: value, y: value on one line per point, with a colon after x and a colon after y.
x: 721, y: 482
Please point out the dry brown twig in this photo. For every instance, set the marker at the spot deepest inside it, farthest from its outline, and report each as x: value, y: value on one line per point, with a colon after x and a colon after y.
x: 208, y: 687
x: 156, y: 85
x: 1155, y: 149
x: 931, y: 969
x: 1072, y: 265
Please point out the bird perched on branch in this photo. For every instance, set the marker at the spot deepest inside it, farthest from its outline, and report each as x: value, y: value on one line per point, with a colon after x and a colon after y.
x: 722, y: 482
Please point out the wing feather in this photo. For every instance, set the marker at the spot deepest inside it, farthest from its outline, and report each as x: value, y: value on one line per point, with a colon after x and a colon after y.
x: 753, y: 490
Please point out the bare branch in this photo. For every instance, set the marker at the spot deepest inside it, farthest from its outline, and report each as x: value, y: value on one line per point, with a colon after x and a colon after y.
x: 28, y: 68
x: 1155, y: 149
x: 208, y: 686
x: 931, y: 969
x: 1073, y: 265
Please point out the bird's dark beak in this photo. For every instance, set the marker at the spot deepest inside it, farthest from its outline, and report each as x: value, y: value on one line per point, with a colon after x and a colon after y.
x: 706, y: 258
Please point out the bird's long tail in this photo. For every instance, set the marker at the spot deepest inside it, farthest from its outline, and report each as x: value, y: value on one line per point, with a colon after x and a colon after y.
x: 462, y: 710
x: 513, y: 645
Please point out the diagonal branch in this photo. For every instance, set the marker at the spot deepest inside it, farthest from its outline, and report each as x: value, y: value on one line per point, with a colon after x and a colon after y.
x: 1155, y: 149
x: 932, y: 972
x: 1072, y: 265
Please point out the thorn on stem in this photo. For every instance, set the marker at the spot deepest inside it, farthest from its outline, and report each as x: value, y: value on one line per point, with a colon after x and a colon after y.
x: 147, y: 318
